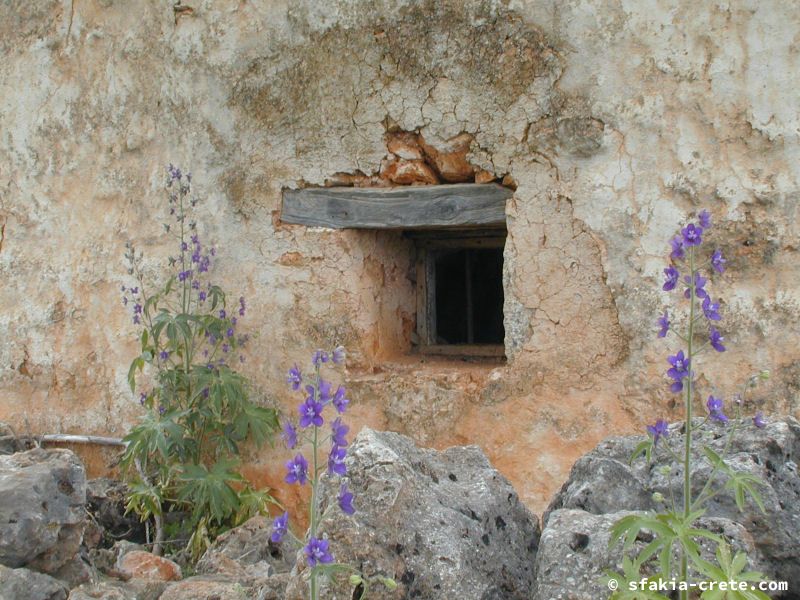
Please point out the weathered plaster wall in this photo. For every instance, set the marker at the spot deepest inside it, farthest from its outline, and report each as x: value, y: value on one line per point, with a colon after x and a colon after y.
x: 615, y: 120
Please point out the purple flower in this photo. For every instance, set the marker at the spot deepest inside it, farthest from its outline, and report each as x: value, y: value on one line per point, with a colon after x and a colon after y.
x: 295, y: 378
x: 759, y: 421
x: 710, y: 309
x: 184, y: 275
x: 279, y: 528
x: 241, y: 306
x: 679, y: 370
x: 345, y: 499
x: 310, y: 413
x: 715, y: 337
x: 336, y: 461
x: 704, y: 218
x: 297, y: 470
x: 134, y: 290
x: 699, y: 284
x: 340, y: 401
x: 317, y: 552
x: 222, y: 314
x: 325, y: 391
x: 319, y: 357
x: 671, y: 278
x: 184, y: 246
x: 663, y: 322
x: 225, y: 348
x: 137, y: 309
x: 338, y: 433
x: 229, y: 333
x: 659, y: 430
x: 677, y: 247
x: 136, y: 320
x: 162, y: 409
x: 289, y: 435
x: 142, y: 398
x: 163, y: 355
x: 338, y: 355
x: 718, y: 262
x: 202, y: 296
x: 174, y: 173
x: 714, y: 406
x: 692, y: 235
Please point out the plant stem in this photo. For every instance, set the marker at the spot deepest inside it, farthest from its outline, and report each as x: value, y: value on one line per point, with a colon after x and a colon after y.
x: 687, y: 457
x: 157, y: 519
x: 314, y: 483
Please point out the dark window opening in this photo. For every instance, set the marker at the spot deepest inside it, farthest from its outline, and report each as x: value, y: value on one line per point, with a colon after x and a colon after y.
x: 469, y: 296
x: 459, y: 279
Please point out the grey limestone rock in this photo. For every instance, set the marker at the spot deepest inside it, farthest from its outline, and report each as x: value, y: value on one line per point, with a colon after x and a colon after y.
x: 42, y: 508
x: 24, y: 584
x: 574, y: 552
x: 602, y: 482
x: 442, y: 524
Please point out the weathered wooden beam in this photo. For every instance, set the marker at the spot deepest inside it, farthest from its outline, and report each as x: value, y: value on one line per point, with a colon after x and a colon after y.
x: 407, y: 207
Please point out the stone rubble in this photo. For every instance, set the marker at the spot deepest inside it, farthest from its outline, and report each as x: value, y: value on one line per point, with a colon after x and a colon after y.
x: 442, y: 524
x: 42, y: 508
x: 603, y: 482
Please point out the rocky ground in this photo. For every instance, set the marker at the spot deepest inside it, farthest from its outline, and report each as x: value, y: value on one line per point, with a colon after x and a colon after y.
x: 442, y: 524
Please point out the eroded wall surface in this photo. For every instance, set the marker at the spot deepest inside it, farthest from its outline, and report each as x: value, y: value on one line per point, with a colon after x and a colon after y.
x: 615, y: 120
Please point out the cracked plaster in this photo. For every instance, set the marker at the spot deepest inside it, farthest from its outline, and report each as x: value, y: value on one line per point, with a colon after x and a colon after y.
x: 615, y: 120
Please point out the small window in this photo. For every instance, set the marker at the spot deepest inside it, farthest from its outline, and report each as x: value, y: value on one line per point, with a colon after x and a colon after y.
x: 459, y: 278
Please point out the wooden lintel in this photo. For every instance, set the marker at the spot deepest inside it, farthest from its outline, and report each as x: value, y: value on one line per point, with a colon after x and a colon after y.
x: 406, y: 207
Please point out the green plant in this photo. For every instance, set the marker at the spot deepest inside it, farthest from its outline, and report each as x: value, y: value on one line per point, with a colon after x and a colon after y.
x: 183, y: 454
x: 319, y: 395
x: 675, y: 532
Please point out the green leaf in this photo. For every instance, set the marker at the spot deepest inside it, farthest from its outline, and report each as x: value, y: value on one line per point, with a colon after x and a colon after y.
x: 730, y: 570
x: 645, y: 447
x: 138, y: 363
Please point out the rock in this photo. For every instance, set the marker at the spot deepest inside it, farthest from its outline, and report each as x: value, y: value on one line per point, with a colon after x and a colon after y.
x: 357, y: 179
x: 8, y: 440
x: 135, y: 589
x: 102, y: 591
x: 407, y: 172
x: 272, y: 588
x: 603, y: 482
x: 442, y: 524
x: 246, y: 553
x: 206, y: 588
x: 75, y: 572
x: 482, y: 176
x: 144, y: 565
x: 574, y: 554
x: 24, y: 584
x: 509, y: 182
x: 404, y: 145
x: 106, y: 560
x: 42, y: 508
x: 450, y: 159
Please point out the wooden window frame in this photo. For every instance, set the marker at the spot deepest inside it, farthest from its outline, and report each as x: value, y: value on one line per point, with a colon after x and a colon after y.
x: 428, y: 245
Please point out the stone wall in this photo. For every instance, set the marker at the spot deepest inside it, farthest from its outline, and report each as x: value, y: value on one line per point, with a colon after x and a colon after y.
x: 614, y: 119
